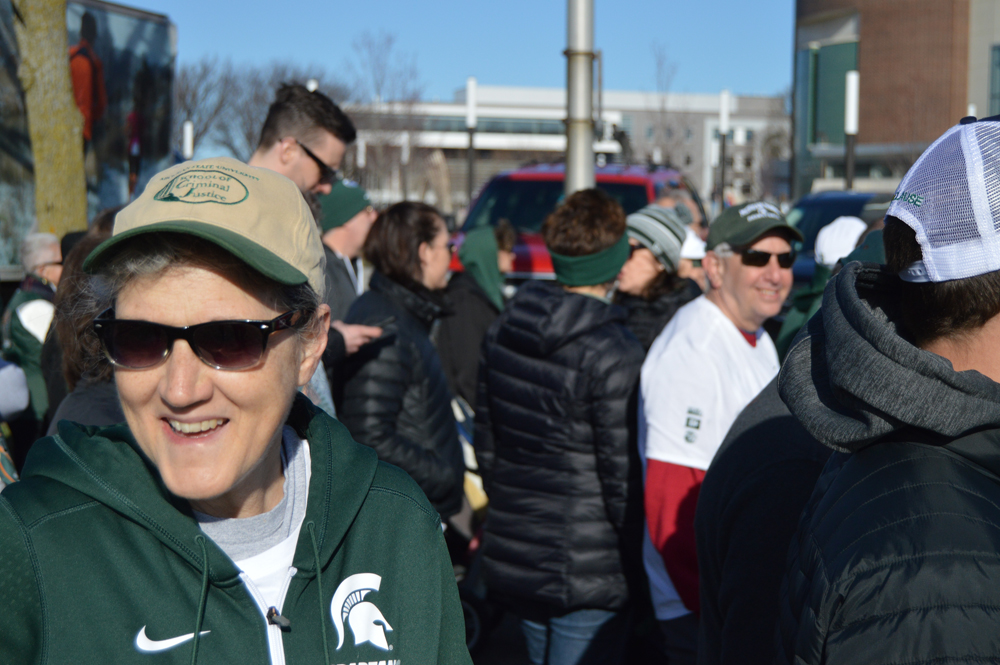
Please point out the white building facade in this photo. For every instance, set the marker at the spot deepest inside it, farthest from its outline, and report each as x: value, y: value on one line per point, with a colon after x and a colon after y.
x: 420, y: 149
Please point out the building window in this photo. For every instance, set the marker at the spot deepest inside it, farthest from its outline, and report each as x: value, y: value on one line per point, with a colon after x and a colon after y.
x: 688, y: 134
x: 649, y: 132
x: 687, y: 160
x: 749, y: 135
x: 995, y: 81
x: 670, y: 132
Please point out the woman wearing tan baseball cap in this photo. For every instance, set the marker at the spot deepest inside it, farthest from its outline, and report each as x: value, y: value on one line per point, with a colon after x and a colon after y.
x: 227, y: 517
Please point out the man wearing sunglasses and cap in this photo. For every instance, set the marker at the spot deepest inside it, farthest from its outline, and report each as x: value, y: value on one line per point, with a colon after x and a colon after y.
x: 706, y: 365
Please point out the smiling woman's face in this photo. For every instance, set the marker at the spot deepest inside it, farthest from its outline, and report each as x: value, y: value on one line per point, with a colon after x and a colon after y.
x: 214, y: 435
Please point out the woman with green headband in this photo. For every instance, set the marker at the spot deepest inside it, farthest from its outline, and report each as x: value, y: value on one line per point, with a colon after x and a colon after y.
x: 553, y: 440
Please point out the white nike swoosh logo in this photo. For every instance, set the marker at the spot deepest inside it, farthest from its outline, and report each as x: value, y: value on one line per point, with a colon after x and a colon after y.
x: 146, y: 645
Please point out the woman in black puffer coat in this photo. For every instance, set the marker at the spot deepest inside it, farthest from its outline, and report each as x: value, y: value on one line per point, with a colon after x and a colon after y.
x: 392, y: 394
x: 555, y: 444
x: 649, y: 287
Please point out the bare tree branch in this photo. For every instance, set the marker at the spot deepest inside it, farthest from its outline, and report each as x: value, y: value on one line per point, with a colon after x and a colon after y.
x: 386, y: 86
x: 202, y: 91
x: 382, y: 73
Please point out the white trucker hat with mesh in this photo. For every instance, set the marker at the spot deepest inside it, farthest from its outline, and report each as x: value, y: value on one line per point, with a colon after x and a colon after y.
x: 951, y: 199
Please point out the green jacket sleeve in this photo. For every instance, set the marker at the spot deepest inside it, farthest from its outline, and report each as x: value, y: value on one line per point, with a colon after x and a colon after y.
x: 21, y: 630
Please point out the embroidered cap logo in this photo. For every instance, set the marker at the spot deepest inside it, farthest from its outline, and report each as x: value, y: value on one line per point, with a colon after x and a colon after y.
x: 203, y: 186
x: 756, y: 211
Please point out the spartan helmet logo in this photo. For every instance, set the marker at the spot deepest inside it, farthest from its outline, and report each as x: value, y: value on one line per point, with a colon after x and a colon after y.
x: 366, y: 621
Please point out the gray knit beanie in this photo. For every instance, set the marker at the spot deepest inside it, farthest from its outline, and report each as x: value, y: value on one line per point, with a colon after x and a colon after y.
x: 659, y: 230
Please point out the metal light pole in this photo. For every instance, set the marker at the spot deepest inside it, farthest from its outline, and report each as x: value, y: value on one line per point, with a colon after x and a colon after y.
x: 404, y: 164
x: 470, y: 124
x: 579, y: 95
x: 851, y: 99
x: 723, y: 133
x: 187, y: 139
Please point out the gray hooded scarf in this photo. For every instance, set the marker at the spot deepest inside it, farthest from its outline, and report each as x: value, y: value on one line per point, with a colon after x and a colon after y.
x: 851, y: 377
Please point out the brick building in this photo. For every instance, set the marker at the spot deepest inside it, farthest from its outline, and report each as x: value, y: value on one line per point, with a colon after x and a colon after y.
x: 923, y: 64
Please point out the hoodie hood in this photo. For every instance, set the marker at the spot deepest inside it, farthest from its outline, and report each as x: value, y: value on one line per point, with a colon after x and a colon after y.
x: 851, y: 378
x: 544, y: 316
x: 107, y: 465
x: 478, y: 255
x: 424, y: 305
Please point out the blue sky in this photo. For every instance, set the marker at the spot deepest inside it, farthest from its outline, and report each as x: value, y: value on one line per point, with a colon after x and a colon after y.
x: 713, y: 44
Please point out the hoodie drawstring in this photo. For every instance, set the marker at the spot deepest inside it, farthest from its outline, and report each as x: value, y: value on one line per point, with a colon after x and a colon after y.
x: 203, y: 601
x: 311, y: 526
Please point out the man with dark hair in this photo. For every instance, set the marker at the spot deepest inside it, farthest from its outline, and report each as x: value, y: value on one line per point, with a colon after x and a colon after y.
x: 895, y: 559
x: 304, y: 138
x: 707, y: 364
x: 554, y: 442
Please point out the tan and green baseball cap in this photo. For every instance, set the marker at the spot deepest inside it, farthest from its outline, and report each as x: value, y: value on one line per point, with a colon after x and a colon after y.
x: 256, y: 214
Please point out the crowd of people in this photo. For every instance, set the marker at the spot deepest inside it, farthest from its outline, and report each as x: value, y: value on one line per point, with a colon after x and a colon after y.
x: 231, y: 413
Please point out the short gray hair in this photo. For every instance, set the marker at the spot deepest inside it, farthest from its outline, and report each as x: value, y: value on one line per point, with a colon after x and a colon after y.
x: 723, y: 250
x: 37, y: 249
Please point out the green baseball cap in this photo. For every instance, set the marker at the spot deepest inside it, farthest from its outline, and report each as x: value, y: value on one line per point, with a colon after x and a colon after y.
x: 741, y: 225
x: 345, y: 200
x: 257, y: 215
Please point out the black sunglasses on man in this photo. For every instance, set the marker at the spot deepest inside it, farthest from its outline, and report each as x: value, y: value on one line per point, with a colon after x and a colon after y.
x: 327, y: 174
x: 759, y: 259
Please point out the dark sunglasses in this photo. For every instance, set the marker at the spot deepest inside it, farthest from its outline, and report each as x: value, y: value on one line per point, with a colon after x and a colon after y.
x: 759, y: 259
x: 327, y: 174
x: 228, y: 345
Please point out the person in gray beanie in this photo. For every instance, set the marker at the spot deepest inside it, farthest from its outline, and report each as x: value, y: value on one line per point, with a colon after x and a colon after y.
x: 648, y: 285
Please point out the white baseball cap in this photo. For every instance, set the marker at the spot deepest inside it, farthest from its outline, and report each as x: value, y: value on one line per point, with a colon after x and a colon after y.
x: 693, y: 247
x: 951, y: 198
x: 838, y: 239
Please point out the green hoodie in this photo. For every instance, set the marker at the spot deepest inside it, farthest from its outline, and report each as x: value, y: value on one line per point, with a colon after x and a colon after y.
x: 478, y: 255
x: 98, y: 562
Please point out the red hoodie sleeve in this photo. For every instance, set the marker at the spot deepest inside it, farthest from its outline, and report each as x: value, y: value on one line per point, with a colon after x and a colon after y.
x: 671, y: 497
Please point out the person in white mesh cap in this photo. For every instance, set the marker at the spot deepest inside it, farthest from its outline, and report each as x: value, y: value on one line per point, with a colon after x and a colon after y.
x: 897, y: 555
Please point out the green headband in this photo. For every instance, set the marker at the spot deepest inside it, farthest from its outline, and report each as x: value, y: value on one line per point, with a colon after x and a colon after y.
x: 591, y: 269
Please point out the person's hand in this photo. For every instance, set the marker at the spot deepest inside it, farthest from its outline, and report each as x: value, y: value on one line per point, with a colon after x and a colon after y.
x: 355, y: 336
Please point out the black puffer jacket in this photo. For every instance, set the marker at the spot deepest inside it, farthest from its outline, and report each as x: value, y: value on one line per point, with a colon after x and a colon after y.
x: 647, y: 318
x: 393, y: 396
x: 896, y: 558
x: 555, y: 443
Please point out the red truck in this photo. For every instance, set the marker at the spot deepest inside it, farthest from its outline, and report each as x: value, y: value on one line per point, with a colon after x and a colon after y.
x: 526, y: 196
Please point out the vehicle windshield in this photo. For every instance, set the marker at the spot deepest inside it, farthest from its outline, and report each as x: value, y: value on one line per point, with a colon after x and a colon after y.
x: 526, y: 203
x: 811, y: 216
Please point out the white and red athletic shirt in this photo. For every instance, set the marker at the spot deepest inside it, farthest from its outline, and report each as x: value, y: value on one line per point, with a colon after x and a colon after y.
x: 697, y: 377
